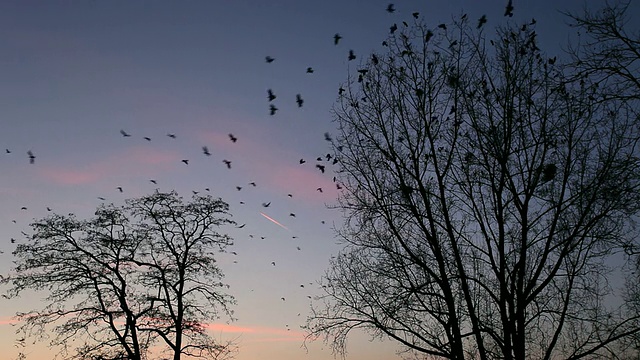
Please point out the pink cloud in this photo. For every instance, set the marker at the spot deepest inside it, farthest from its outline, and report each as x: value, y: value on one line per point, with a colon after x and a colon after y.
x: 137, y: 160
x: 259, y: 333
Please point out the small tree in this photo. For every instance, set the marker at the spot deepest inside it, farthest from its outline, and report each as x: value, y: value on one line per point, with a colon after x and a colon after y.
x: 131, y: 278
x: 485, y: 193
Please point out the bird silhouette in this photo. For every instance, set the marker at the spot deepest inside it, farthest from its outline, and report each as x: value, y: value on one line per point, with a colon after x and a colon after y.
x: 266, y: 204
x: 119, y: 188
x: 273, y: 263
x: 391, y: 9
x: 443, y: 26
x: 147, y: 138
x: 482, y: 21
x: 321, y: 167
x: 292, y: 214
x: 233, y: 138
x: 340, y: 90
x: 253, y: 183
x: 238, y: 188
x: 124, y: 133
x: 299, y: 100
x: 153, y: 181
x: 415, y: 15
x: 393, y: 28
x: 24, y: 208
x: 309, y: 70
x: 185, y: 161
x: 241, y: 226
x: 272, y: 109
x: 327, y: 137
x: 32, y: 158
x: 302, y: 161
x: 352, y: 55
x: 508, y: 10
x: 173, y: 136
x: 205, y: 150
x: 270, y: 95
x: 336, y: 39
x: 268, y: 59
x: 319, y: 189
x: 227, y: 162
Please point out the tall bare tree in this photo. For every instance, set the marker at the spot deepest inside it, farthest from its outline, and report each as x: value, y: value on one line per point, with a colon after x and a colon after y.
x: 133, y: 279
x: 485, y: 194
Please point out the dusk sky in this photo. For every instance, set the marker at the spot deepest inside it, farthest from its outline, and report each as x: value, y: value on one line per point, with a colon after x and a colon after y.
x: 73, y: 74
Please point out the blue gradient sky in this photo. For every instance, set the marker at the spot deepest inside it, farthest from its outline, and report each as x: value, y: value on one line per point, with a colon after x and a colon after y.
x: 74, y: 73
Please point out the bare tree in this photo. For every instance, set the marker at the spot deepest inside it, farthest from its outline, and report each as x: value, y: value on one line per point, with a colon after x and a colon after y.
x: 609, y: 53
x: 485, y: 195
x: 135, y: 277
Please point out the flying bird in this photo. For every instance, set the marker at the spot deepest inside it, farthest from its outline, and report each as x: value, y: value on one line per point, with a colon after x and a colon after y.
x: 299, y: 100
x: 147, y: 138
x: 508, y: 10
x: 268, y: 59
x: 327, y: 136
x: 185, y: 161
x: 352, y: 56
x: 266, y: 204
x: 153, y: 181
x: 32, y: 158
x: 119, y: 188
x: 253, y: 183
x: 270, y: 95
x: 309, y: 70
x: 302, y: 161
x: 391, y: 9
x: 173, y: 136
x: 205, y: 150
x: 415, y: 15
x: 443, y: 26
x: 272, y: 109
x: 321, y: 167
x: 124, y: 133
x: 482, y: 21
x: 238, y: 188
x: 393, y: 28
x: 319, y: 189
x: 336, y: 39
x: 233, y: 138
x: 227, y: 162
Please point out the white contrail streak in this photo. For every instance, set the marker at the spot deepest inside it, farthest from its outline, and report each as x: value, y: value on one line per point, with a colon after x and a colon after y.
x: 273, y: 221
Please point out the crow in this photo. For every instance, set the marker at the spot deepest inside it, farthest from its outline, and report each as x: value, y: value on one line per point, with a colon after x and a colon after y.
x: 336, y: 39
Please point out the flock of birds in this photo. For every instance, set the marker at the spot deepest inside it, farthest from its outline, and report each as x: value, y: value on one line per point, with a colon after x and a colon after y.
x: 321, y: 162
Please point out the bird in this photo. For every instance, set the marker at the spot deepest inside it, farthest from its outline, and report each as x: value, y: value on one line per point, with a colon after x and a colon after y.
x: 302, y: 161
x: 153, y: 181
x: 340, y: 90
x: 319, y: 189
x: 482, y: 21
x: 443, y: 26
x: 23, y: 208
x: 185, y: 161
x: 292, y: 214
x: 327, y: 137
x: 299, y: 100
x: 32, y: 158
x: 7, y: 151
x: 241, y: 226
x: 283, y: 299
x: 309, y: 70
x: 253, y: 183
x: 391, y: 9
x: 119, y: 188
x: 273, y: 263
x: 48, y: 208
x: 147, y: 138
x: 173, y: 136
x: 415, y: 15
x: 13, y: 241
x: 508, y: 10
x: 266, y: 204
x: 336, y: 39
x: 272, y: 109
x: 393, y: 28
x: 205, y: 150
x: 268, y: 59
x: 321, y: 167
x: 352, y: 55
x: 290, y: 195
x: 195, y: 192
x: 238, y: 188
x: 233, y: 138
x: 319, y: 158
x: 227, y: 162
x: 270, y: 95
x: 428, y: 36
x: 124, y: 133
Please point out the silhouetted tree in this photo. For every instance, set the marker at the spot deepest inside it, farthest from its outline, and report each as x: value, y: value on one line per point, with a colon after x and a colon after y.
x: 486, y: 193
x: 609, y: 53
x: 133, y: 277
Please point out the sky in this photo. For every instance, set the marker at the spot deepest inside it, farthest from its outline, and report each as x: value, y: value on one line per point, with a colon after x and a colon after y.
x: 73, y: 74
